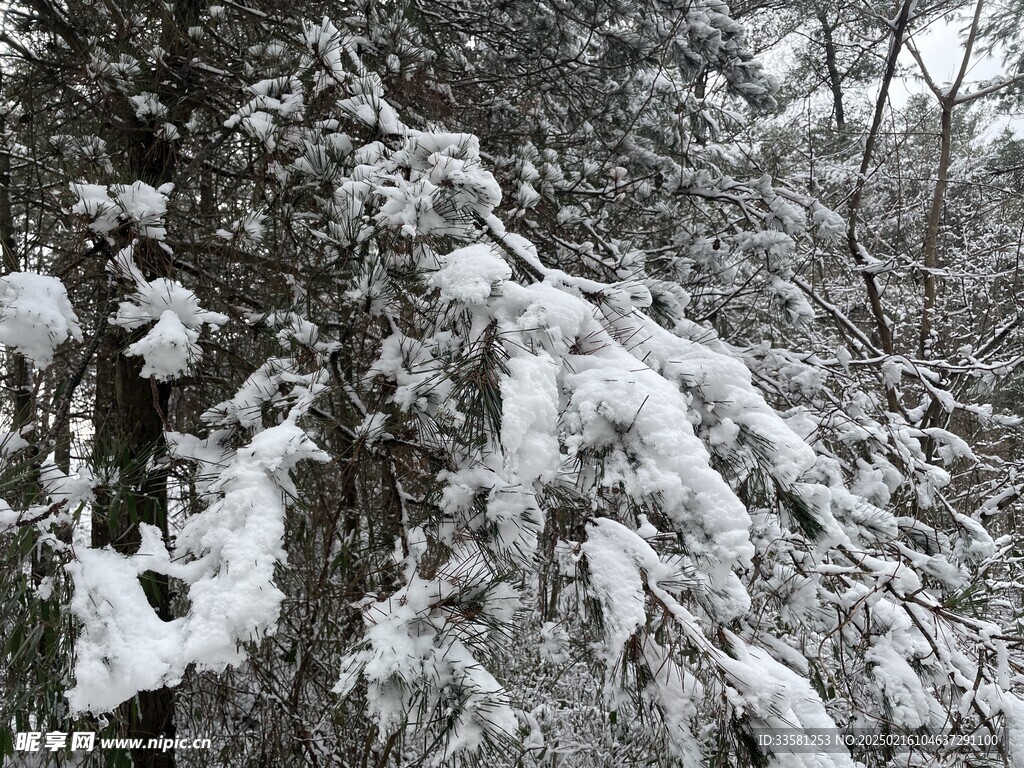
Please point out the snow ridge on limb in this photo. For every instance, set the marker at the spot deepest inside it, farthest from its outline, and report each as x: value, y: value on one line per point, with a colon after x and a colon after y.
x: 226, y: 555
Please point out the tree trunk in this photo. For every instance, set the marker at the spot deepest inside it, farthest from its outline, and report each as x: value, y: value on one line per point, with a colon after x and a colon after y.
x: 130, y: 411
x: 129, y: 438
x: 835, y: 81
x: 931, y: 237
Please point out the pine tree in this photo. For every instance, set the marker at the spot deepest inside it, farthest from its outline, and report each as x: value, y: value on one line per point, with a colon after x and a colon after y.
x: 439, y: 383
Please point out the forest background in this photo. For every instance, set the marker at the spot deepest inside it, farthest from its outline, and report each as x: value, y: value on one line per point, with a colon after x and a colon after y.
x: 519, y: 382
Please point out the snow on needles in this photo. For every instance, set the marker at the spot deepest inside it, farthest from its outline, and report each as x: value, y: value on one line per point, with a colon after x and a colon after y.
x: 36, y: 316
x: 137, y: 205
x: 471, y: 274
x: 679, y: 499
x: 172, y: 344
x: 124, y: 646
x: 226, y: 554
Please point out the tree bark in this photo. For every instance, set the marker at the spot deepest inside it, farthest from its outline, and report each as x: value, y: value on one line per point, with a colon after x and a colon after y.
x: 131, y: 411
x: 931, y: 238
x: 835, y: 80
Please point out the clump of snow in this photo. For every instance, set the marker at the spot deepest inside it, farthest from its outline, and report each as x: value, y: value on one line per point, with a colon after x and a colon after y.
x: 95, y: 204
x: 367, y: 105
x: 552, y: 319
x: 829, y: 223
x: 275, y: 385
x: 36, y: 316
x: 433, y: 184
x: 529, y: 415
x: 8, y: 516
x: 471, y: 274
x: 88, y: 149
x: 138, y: 205
x: 10, y: 444
x: 247, y: 229
x: 905, y: 697
x: 616, y: 558
x: 414, y: 369
x: 554, y: 645
x: 148, y: 106
x: 512, y: 513
x: 1012, y: 707
x: 294, y: 330
x: 802, y: 708
x: 677, y: 693
x: 451, y: 161
x: 276, y: 104
x: 637, y: 420
x: 226, y: 555
x: 237, y: 543
x: 797, y: 307
x: 410, y: 208
x: 418, y: 635
x: 124, y: 646
x: 168, y: 349
x: 324, y: 43
x: 172, y: 344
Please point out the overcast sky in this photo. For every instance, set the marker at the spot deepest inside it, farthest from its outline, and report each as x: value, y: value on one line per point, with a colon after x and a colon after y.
x: 941, y: 47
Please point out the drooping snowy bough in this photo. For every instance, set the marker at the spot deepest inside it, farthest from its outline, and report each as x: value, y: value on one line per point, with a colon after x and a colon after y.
x: 556, y: 502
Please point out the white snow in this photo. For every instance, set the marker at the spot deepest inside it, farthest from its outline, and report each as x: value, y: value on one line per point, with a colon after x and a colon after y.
x: 637, y: 420
x: 617, y: 560
x: 410, y: 636
x: 529, y: 416
x: 226, y: 555
x: 148, y: 106
x: 277, y: 103
x: 367, y: 105
x: 124, y: 646
x: 138, y: 204
x: 471, y: 274
x: 237, y: 543
x: 246, y: 230
x: 36, y: 316
x: 169, y: 348
x: 324, y: 42
x: 171, y: 345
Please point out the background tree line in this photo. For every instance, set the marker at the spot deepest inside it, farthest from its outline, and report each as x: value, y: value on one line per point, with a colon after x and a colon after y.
x: 537, y: 383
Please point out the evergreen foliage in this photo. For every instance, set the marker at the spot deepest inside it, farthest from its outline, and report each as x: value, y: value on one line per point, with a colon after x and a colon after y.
x: 515, y: 383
